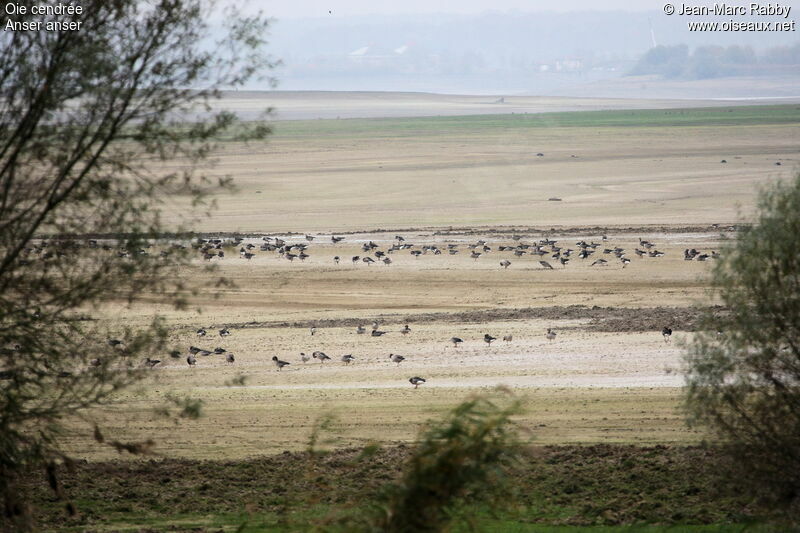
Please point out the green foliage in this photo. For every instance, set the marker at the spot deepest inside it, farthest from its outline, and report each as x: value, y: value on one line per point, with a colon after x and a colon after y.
x: 743, y: 368
x: 457, y: 462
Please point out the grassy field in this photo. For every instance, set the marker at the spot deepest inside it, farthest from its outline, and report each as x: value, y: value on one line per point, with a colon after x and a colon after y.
x: 733, y: 116
x: 563, y: 488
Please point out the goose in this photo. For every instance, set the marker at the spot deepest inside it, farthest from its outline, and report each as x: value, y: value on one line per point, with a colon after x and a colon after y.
x: 347, y: 359
x: 456, y: 341
x: 224, y: 332
x: 375, y: 325
x: 335, y: 239
x: 377, y: 333
x: 191, y: 360
x: 280, y: 364
x: 564, y: 261
x: 116, y: 343
x: 601, y: 262
x: 336, y: 259
x: 416, y: 381
x: 368, y: 261
x: 625, y: 261
x: 320, y: 355
x: 505, y: 263
x: 386, y: 261
x: 304, y: 358
x: 204, y: 353
x: 309, y: 238
x: 313, y: 329
x: 94, y: 362
x: 488, y: 339
x: 361, y: 330
x: 508, y: 338
x: 475, y: 255
x: 356, y: 258
x: 667, y: 333
x: 194, y: 350
x: 151, y: 363
x: 220, y: 351
x: 550, y: 335
x: 546, y: 265
x: 229, y: 358
x: 396, y: 358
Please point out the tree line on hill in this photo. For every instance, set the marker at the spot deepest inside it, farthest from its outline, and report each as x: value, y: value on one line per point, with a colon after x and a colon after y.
x: 704, y: 62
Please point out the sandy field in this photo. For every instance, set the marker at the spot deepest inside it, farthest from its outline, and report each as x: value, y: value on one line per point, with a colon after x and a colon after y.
x: 608, y: 376
x: 357, y: 175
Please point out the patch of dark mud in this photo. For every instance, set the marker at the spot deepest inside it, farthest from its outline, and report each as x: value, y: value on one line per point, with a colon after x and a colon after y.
x: 606, y: 319
x: 500, y: 232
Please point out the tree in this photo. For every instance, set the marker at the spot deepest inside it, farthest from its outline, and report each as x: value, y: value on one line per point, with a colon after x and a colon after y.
x: 743, y: 367
x: 86, y: 118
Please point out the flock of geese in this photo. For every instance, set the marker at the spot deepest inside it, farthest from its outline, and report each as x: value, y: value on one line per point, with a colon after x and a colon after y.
x: 320, y: 356
x: 547, y: 251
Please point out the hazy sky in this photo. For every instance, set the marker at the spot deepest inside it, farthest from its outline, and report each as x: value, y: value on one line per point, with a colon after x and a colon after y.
x: 319, y: 8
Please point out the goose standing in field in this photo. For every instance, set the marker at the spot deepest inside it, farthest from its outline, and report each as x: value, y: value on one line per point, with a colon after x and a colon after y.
x: 191, y: 360
x: 347, y: 359
x: 396, y: 358
x: 406, y: 330
x: 667, y: 333
x: 361, y: 330
x: 194, y: 350
x: 313, y: 329
x: 475, y: 255
x: 378, y: 333
x: 505, y: 263
x: 546, y: 265
x: 335, y: 239
x: 280, y: 364
x: 336, y: 259
x: 309, y: 238
x: 416, y: 381
x: 375, y: 325
x: 224, y: 332
x: 219, y: 351
x: 355, y: 259
x: 550, y: 335
x: 456, y: 341
x: 320, y: 355
x: 229, y: 358
x: 368, y: 261
x: 304, y: 358
x: 488, y: 339
x: 508, y: 338
x: 201, y: 332
x: 601, y: 262
x: 625, y: 261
